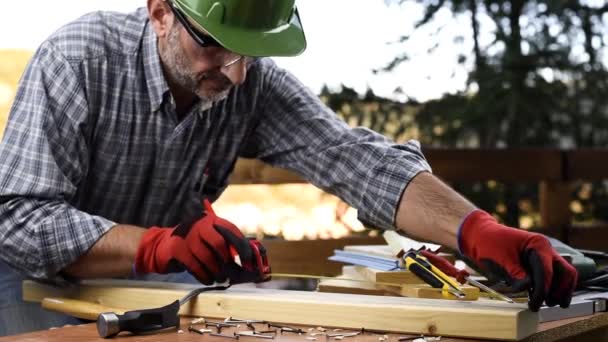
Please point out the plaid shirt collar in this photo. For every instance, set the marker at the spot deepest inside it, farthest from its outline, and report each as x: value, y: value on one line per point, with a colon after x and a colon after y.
x: 158, y: 89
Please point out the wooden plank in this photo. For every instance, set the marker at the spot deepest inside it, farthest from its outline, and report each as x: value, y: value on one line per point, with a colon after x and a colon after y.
x: 591, y: 328
x: 587, y: 164
x: 554, y: 198
x: 506, y: 165
x: 411, y: 286
x: 451, y: 164
x: 395, y: 277
x: 588, y: 237
x: 344, y: 284
x: 310, y: 256
x: 348, y: 283
x: 426, y: 291
x: 499, y: 321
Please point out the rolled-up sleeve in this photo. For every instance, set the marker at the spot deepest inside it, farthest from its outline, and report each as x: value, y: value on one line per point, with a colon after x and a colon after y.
x: 43, y: 157
x: 298, y: 132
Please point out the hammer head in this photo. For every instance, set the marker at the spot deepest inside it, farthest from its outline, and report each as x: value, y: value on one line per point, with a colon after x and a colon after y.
x: 110, y: 324
x: 107, y: 324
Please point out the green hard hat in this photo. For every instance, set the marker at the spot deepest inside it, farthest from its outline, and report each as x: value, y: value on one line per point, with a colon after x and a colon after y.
x: 249, y: 27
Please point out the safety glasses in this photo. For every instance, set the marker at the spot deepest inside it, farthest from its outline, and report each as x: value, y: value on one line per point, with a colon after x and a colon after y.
x: 226, y: 59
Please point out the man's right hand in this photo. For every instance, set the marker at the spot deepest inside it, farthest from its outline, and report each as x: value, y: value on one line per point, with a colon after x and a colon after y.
x: 201, y: 247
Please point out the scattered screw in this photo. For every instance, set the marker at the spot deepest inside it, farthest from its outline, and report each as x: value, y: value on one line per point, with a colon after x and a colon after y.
x: 311, y: 338
x: 344, y: 334
x: 401, y: 339
x: 199, y: 331
x: 231, y: 320
x: 234, y: 337
x: 254, y: 334
x: 267, y: 332
x: 219, y: 325
x: 200, y: 320
x: 285, y: 328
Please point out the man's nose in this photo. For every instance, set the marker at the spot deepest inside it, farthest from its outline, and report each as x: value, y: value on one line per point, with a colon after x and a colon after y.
x: 236, y: 72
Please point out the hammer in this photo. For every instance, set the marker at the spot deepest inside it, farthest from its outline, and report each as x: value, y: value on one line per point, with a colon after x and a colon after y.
x: 112, y: 321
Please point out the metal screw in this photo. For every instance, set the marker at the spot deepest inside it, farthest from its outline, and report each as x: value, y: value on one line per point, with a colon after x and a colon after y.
x: 219, y: 325
x: 198, y: 331
x: 254, y: 334
x: 344, y: 334
x: 200, y: 320
x: 245, y: 321
x: 267, y: 332
x: 234, y: 336
x: 285, y: 328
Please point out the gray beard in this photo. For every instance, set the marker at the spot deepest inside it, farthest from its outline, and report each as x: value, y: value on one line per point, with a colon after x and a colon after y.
x: 176, y: 65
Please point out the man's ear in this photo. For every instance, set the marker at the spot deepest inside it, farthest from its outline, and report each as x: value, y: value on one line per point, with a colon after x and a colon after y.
x: 161, y: 17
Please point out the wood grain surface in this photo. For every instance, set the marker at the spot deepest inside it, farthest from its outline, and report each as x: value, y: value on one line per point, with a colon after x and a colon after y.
x: 501, y: 321
x: 590, y: 328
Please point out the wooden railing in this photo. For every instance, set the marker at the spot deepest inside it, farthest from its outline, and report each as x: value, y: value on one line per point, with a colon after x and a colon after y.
x: 553, y: 170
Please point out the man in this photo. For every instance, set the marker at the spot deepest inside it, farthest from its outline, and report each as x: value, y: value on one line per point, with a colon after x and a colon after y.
x: 122, y: 124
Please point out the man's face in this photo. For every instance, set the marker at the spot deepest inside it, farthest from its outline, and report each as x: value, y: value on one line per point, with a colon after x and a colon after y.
x: 198, y: 69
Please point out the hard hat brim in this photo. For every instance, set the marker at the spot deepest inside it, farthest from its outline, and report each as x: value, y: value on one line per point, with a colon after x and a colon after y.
x: 284, y: 41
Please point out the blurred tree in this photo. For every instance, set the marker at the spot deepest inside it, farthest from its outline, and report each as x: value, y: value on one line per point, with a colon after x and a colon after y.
x: 538, y: 81
x: 536, y: 78
x: 392, y: 118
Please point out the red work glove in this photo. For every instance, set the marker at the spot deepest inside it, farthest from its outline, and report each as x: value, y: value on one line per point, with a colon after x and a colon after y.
x: 200, y: 247
x: 524, y: 260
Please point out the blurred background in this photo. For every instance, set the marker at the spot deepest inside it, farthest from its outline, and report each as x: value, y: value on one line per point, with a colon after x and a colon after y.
x: 458, y: 75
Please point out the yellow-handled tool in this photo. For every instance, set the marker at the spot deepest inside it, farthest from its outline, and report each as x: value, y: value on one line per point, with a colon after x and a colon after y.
x: 77, y: 308
x: 431, y: 275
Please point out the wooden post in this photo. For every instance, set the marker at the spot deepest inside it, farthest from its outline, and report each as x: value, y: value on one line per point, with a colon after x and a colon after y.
x: 554, y: 200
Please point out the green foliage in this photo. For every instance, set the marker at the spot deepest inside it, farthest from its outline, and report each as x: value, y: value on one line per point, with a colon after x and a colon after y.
x: 536, y: 79
x: 393, y: 119
x: 538, y: 82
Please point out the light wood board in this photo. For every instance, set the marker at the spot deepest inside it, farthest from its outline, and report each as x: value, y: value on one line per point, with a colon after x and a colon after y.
x: 344, y: 284
x: 414, y: 288
x: 377, y: 276
x: 500, y: 321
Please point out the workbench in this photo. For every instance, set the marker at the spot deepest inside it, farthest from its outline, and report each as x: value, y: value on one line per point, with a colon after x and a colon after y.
x: 589, y: 328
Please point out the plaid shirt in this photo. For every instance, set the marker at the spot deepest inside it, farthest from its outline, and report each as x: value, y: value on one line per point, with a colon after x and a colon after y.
x: 93, y: 140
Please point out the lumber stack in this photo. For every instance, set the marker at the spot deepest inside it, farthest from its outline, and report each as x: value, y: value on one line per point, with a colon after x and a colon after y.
x: 383, y: 276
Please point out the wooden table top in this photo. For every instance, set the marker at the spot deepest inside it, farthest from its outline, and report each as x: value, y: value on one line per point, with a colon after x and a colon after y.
x: 548, y: 332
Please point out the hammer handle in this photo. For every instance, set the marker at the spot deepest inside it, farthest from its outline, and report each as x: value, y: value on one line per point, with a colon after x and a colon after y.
x: 77, y: 308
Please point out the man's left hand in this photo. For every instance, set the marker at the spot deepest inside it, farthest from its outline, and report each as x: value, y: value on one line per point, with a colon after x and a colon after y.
x: 524, y: 260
